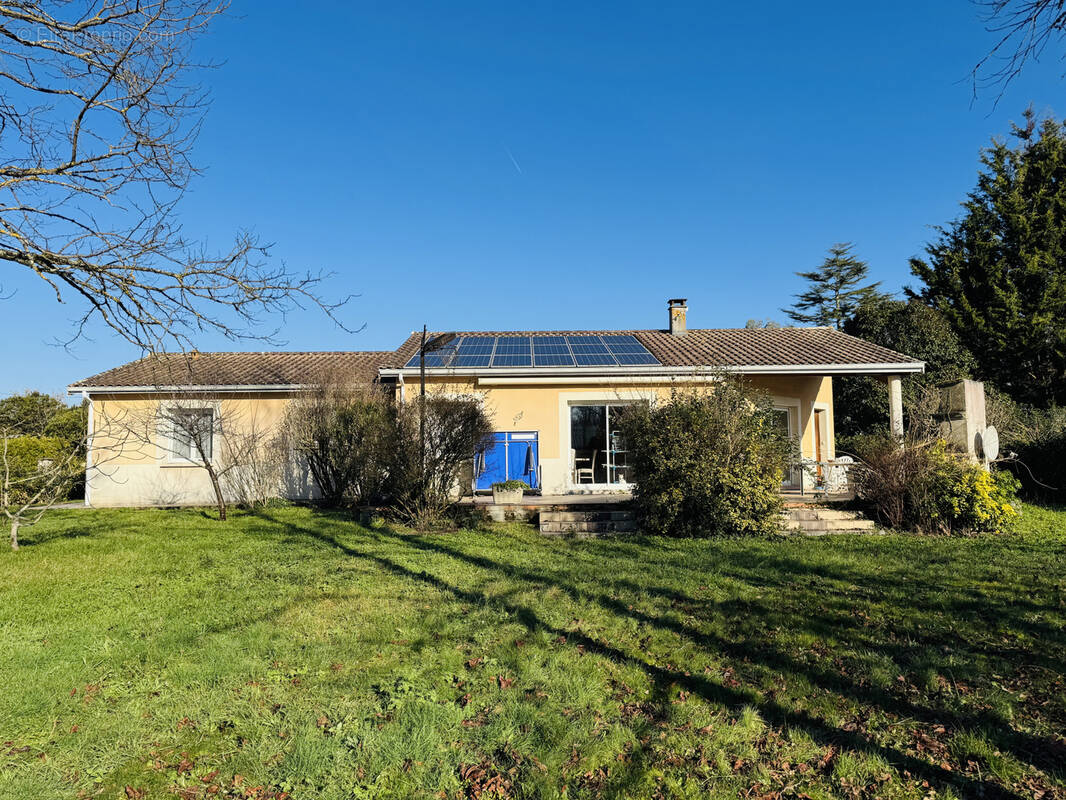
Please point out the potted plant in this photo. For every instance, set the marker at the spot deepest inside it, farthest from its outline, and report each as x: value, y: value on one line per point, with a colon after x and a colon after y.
x: 508, y: 492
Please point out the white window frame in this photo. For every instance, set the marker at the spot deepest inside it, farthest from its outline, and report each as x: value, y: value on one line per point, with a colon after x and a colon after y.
x: 171, y: 456
x: 621, y: 486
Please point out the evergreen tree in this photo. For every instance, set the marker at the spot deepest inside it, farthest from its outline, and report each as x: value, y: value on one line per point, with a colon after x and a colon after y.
x: 998, y: 273
x: 835, y: 291
x: 909, y: 327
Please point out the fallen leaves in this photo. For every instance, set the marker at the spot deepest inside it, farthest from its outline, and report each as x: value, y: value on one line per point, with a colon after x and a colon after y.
x: 481, y: 780
x: 185, y: 765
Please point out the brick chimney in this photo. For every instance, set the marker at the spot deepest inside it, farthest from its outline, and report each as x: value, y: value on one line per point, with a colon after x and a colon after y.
x: 678, y: 310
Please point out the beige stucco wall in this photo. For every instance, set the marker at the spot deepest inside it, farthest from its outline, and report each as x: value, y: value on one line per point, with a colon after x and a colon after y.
x: 545, y: 408
x: 129, y: 469
x: 132, y: 463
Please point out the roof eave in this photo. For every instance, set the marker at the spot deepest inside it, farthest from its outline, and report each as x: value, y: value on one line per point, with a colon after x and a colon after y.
x: 875, y: 368
x: 228, y: 387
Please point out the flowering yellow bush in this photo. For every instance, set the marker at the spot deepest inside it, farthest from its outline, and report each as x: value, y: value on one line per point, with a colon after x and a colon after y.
x: 956, y: 496
x: 928, y: 487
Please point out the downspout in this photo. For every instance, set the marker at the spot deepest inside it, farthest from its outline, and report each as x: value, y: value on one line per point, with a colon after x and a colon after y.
x: 403, y: 390
x: 88, y: 445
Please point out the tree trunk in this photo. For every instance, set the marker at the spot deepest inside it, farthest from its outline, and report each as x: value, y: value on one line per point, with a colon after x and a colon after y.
x: 14, y: 534
x: 220, y: 501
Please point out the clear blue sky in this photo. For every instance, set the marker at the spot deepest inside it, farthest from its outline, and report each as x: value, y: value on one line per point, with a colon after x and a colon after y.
x: 496, y: 166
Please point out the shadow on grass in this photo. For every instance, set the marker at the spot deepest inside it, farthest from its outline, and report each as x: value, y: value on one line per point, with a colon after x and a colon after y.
x: 1046, y: 755
x: 76, y: 523
x: 1043, y: 754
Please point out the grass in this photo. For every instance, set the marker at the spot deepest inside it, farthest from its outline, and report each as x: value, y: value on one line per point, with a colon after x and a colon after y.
x: 161, y: 654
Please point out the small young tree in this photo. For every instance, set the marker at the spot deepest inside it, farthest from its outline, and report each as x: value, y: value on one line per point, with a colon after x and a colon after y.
x: 220, y: 434
x: 38, y: 473
x: 707, y: 462
x: 836, y: 289
x: 190, y: 429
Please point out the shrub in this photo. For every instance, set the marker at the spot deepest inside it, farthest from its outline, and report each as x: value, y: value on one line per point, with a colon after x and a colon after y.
x: 39, y: 414
x: 707, y: 463
x: 348, y: 437
x: 25, y: 463
x: 1038, y: 437
x: 69, y: 424
x: 927, y: 487
x: 424, y: 486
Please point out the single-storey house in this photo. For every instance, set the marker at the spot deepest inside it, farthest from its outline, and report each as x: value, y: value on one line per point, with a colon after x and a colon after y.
x: 553, y: 396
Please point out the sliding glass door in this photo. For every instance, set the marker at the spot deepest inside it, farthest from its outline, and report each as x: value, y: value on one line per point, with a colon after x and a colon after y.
x: 597, y: 447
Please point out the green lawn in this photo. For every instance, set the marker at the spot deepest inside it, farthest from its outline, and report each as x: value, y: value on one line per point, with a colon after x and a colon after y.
x: 163, y: 654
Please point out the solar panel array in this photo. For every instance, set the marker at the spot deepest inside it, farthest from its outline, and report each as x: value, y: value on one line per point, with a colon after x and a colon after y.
x: 621, y: 350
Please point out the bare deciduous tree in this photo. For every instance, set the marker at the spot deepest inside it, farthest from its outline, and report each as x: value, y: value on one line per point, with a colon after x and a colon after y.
x: 223, y: 436
x: 29, y: 491
x: 1025, y: 29
x: 253, y: 461
x: 98, y: 115
x: 39, y: 471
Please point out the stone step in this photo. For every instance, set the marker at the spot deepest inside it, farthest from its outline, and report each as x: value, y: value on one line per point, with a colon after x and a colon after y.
x: 585, y: 516
x: 820, y: 513
x: 602, y: 527
x: 834, y: 525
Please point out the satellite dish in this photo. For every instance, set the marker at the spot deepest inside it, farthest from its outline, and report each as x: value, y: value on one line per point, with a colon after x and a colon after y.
x: 988, y: 443
x: 438, y: 342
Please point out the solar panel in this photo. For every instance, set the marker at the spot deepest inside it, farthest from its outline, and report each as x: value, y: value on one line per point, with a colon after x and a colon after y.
x: 551, y: 349
x: 554, y: 360
x: 478, y: 345
x: 512, y: 344
x: 434, y: 360
x: 463, y: 360
x: 633, y: 359
x: 595, y: 359
x: 512, y: 360
x: 583, y: 350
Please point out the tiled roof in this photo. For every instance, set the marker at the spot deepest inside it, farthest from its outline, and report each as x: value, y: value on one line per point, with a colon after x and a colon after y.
x: 710, y: 348
x: 724, y: 347
x: 240, y: 369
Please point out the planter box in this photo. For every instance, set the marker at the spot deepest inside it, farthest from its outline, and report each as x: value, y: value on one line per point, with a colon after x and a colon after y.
x: 506, y: 496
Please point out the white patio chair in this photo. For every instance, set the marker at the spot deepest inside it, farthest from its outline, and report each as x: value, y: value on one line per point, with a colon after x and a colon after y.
x: 836, y: 476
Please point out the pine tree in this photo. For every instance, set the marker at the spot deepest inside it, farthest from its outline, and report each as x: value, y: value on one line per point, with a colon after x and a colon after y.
x: 998, y: 273
x: 835, y: 293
